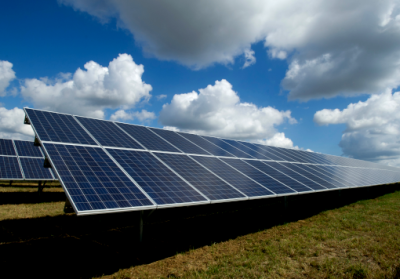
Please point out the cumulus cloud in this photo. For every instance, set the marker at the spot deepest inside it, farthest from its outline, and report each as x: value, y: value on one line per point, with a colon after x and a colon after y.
x: 6, y: 75
x: 343, y: 47
x: 12, y: 124
x: 217, y: 110
x: 249, y: 57
x: 160, y: 97
x: 142, y: 115
x: 90, y: 91
x: 279, y: 140
x: 372, y: 128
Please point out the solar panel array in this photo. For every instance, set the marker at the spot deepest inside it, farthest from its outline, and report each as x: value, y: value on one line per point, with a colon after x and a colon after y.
x: 107, y: 166
x: 22, y: 160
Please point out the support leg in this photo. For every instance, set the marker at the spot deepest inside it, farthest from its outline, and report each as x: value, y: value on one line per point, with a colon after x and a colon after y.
x: 68, y: 207
x: 141, y: 227
x: 10, y: 182
x: 40, y: 187
x: 286, y: 203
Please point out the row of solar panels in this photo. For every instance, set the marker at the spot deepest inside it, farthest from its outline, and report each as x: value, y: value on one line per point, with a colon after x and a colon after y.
x: 106, y: 166
x: 22, y: 160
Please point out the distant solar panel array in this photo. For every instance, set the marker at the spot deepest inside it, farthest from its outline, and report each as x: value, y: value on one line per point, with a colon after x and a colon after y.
x: 22, y: 160
x: 107, y: 166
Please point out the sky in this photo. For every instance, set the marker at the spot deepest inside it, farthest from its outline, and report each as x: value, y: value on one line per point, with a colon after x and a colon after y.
x: 321, y: 76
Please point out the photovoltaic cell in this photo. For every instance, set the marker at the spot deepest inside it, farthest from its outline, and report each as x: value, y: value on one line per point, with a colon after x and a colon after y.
x: 336, y: 175
x: 246, y: 149
x: 33, y: 169
x: 293, y: 154
x: 108, y: 134
x: 204, y: 181
x: 206, y: 145
x: 278, y: 153
x: 285, y: 179
x: 255, y: 174
x: 7, y: 148
x: 233, y: 150
x: 93, y: 180
x: 179, y: 141
x: 147, y: 138
x: 259, y: 149
x: 334, y: 179
x: 9, y: 168
x: 162, y: 185
x: 58, y: 127
x: 27, y: 148
x: 233, y: 177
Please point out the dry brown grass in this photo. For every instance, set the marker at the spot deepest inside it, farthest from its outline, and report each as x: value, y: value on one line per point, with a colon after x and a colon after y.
x: 361, y: 240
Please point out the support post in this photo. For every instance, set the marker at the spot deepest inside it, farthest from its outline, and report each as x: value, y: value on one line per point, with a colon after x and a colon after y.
x: 286, y: 203
x: 141, y: 226
x: 11, y: 182
x: 40, y: 187
x: 68, y: 207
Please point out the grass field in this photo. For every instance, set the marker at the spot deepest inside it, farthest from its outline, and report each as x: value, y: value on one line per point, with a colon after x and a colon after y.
x: 354, y: 235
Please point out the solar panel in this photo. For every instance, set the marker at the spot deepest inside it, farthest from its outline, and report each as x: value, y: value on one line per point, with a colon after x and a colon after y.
x: 241, y: 182
x: 334, y: 179
x: 206, y: 145
x: 264, y: 179
x: 258, y: 148
x: 179, y: 141
x: 7, y: 147
x: 57, y: 127
x: 229, y: 148
x: 147, y: 138
x: 9, y: 168
x: 246, y: 149
x: 34, y: 169
x: 27, y: 148
x: 157, y: 180
x: 293, y: 154
x: 108, y: 134
x: 93, y: 181
x: 207, y: 183
x: 278, y: 153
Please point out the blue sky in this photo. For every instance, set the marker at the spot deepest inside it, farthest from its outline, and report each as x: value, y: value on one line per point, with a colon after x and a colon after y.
x: 305, y: 62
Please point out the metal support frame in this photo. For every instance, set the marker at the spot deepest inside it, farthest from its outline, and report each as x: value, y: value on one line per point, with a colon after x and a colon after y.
x: 68, y: 207
x: 286, y: 202
x: 40, y: 186
x: 11, y: 182
x: 141, y: 223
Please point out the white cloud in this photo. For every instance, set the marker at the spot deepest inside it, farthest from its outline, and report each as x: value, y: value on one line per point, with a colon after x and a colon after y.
x: 372, y: 128
x: 89, y: 92
x: 160, y: 97
x: 6, y: 75
x: 12, y: 124
x: 279, y: 140
x: 343, y: 47
x: 249, y: 56
x: 217, y: 110
x: 142, y: 115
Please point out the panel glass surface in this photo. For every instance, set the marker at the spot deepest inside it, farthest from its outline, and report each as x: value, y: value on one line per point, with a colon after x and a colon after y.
x: 58, y: 127
x: 179, y: 141
x: 147, y: 138
x: 299, y: 177
x: 9, y: 168
x: 246, y: 149
x: 234, y: 151
x: 310, y: 174
x: 204, y: 181
x: 233, y: 177
x: 258, y: 149
x: 93, y: 180
x: 206, y: 145
x: 278, y: 153
x: 108, y: 134
x: 27, y: 148
x: 7, y: 147
x: 255, y: 174
x: 159, y: 182
x: 338, y: 176
x: 283, y: 178
x: 293, y: 154
x: 334, y: 179
x: 347, y: 174
x: 33, y: 169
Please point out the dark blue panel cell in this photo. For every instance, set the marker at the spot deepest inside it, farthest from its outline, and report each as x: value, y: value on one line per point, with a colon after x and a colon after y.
x: 58, y: 127
x: 93, y: 180
x: 310, y: 158
x: 206, y: 145
x: 204, y: 181
x: 159, y: 182
x: 337, y: 175
x: 260, y: 150
x: 321, y: 159
x: 334, y: 179
x: 7, y: 147
x: 9, y: 168
x: 147, y: 138
x: 299, y: 177
x: 265, y: 180
x: 108, y: 134
x: 281, y: 177
x: 233, y: 177
x: 310, y: 174
x: 179, y: 141
x: 279, y: 153
x: 33, y: 169
x: 27, y: 148
x: 347, y: 174
x: 229, y: 148
x: 246, y: 149
x: 293, y: 154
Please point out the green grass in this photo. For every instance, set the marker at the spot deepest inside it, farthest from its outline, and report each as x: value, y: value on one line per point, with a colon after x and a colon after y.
x: 361, y: 240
